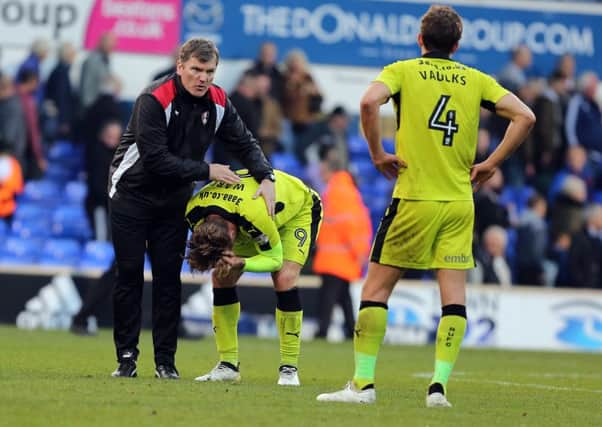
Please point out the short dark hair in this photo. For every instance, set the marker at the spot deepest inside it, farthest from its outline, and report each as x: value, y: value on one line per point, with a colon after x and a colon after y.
x: 202, y: 49
x: 441, y: 28
x: 207, y: 244
x: 329, y: 155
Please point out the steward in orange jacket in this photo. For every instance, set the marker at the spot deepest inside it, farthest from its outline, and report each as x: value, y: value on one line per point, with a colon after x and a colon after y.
x: 343, y: 244
x: 11, y: 184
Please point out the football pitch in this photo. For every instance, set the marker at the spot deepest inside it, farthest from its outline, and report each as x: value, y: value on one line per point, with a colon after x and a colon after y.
x: 58, y: 379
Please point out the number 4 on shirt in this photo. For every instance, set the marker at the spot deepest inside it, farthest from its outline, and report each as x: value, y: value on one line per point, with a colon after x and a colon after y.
x: 449, y: 127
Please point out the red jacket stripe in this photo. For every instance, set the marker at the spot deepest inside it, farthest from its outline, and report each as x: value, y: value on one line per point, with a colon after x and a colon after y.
x: 218, y: 95
x: 165, y: 93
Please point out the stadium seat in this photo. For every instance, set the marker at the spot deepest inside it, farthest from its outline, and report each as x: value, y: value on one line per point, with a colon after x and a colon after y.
x: 389, y: 145
x: 63, y: 252
x: 288, y: 163
x: 75, y: 192
x: 34, y: 227
x: 16, y: 250
x: 97, y: 254
x: 364, y: 171
x: 3, y: 230
x: 29, y: 210
x: 517, y: 196
x: 58, y: 173
x: 70, y: 221
x: 358, y: 148
x: 45, y: 191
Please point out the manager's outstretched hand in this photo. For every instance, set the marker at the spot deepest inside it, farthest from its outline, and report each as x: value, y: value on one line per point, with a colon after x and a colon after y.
x: 223, y: 173
x: 267, y: 190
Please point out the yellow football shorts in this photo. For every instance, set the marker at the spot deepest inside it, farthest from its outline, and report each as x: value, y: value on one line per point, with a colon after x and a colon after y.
x: 297, y: 236
x: 425, y: 235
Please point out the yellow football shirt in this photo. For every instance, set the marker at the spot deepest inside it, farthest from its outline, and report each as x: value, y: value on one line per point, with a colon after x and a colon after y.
x: 235, y: 202
x: 437, y: 102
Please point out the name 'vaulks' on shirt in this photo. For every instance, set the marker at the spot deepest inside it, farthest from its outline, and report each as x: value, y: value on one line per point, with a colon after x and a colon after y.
x: 437, y: 102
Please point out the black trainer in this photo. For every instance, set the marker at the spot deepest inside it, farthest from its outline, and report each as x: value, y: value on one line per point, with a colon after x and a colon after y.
x: 167, y: 372
x: 126, y: 369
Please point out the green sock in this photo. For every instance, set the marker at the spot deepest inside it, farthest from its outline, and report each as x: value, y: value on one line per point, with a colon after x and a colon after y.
x: 450, y: 334
x: 369, y: 333
x: 225, y: 328
x: 289, y: 331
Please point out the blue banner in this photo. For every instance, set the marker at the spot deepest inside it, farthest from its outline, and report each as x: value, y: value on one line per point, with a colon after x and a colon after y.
x: 375, y: 33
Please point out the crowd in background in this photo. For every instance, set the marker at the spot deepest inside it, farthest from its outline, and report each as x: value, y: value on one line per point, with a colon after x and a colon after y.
x: 538, y: 220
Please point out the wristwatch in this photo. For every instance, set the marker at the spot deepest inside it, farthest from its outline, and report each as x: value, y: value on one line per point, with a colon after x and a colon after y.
x: 270, y: 176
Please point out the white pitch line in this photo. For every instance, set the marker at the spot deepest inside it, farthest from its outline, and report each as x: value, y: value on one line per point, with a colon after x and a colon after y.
x: 513, y: 384
x: 538, y: 386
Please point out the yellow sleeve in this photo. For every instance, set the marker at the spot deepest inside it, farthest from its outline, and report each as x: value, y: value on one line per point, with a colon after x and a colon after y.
x: 492, y: 91
x: 390, y: 76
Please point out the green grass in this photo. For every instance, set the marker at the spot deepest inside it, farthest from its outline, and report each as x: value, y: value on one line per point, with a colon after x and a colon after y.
x: 57, y: 379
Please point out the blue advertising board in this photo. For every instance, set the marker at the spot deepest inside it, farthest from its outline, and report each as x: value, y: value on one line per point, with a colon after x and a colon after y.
x: 374, y: 33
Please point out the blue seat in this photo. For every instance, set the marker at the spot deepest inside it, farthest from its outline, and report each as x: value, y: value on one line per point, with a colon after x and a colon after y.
x: 389, y: 145
x: 70, y: 221
x: 61, y: 150
x: 45, y: 191
x: 16, y: 250
x: 75, y: 192
x: 97, y: 254
x: 31, y: 228
x: 29, y: 210
x: 58, y: 173
x: 358, y: 147
x: 63, y: 252
x: 364, y: 171
x: 3, y: 229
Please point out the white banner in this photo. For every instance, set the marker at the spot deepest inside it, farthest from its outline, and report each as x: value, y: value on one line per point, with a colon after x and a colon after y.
x: 23, y: 21
x: 516, y: 318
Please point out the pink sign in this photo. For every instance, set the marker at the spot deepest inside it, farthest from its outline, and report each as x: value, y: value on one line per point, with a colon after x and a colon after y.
x: 142, y: 26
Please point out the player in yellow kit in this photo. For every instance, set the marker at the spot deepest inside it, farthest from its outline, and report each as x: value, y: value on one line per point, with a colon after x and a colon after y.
x: 429, y: 223
x: 233, y: 233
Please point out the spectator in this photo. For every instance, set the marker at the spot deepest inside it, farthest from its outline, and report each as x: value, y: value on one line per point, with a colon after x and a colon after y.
x: 99, y: 154
x: 302, y: 99
x: 547, y: 136
x: 531, y: 243
x: 62, y: 103
x: 35, y: 161
x: 96, y: 69
x: 583, y: 118
x: 585, y: 253
x: 104, y: 109
x: 331, y: 131
x: 566, y: 66
x: 567, y: 210
x: 513, y: 76
x: 491, y: 259
x: 12, y: 120
x: 576, y: 164
x: 483, y: 145
x: 270, y: 125
x: 244, y: 99
x: 266, y: 64
x: 11, y: 181
x: 38, y: 53
x: 343, y: 243
x: 488, y: 209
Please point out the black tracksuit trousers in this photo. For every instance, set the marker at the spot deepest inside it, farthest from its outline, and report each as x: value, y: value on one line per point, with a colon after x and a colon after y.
x: 157, y: 227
